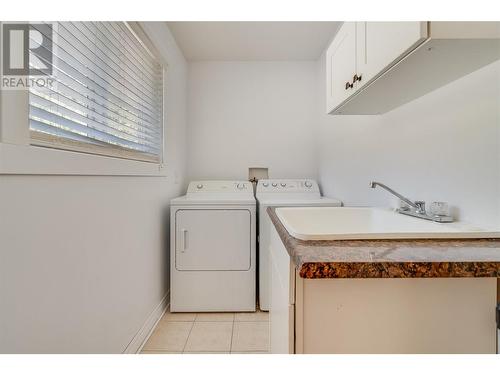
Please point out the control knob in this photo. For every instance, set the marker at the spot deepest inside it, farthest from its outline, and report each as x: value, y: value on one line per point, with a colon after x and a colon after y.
x: 274, y: 184
x: 265, y: 184
x: 199, y: 186
x: 308, y: 184
x: 283, y: 184
x: 240, y: 186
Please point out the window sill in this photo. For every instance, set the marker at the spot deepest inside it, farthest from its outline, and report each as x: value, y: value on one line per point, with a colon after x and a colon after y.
x: 33, y: 160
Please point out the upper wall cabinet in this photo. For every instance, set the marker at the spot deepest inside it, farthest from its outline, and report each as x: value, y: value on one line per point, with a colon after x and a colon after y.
x: 381, y: 44
x: 373, y: 67
x: 342, y: 55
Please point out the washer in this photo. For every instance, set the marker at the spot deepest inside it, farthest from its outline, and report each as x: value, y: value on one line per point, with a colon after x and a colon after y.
x: 281, y: 193
x: 212, y: 242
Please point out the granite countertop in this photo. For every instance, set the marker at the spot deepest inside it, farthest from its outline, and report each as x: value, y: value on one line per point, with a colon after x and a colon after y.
x: 391, y: 258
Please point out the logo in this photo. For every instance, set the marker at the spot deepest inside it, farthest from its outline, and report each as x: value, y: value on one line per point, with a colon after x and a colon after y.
x: 27, y: 55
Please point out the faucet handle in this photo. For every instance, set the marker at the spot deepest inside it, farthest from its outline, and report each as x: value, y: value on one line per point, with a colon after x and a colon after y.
x: 420, y: 207
x: 440, y: 209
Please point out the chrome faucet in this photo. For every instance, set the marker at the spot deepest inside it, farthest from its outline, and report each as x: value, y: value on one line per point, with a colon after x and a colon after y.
x: 415, y: 209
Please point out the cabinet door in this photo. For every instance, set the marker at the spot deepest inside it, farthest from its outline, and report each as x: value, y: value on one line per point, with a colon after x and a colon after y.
x: 213, y: 240
x: 340, y: 66
x: 379, y: 45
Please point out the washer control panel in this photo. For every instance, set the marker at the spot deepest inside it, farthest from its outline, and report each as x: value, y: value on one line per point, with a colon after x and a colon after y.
x: 287, y: 185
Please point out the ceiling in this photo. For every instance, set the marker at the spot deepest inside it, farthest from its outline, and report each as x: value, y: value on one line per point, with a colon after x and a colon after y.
x: 253, y: 40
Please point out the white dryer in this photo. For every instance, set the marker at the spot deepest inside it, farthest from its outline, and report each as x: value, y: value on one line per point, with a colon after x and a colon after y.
x: 212, y: 248
x: 281, y: 193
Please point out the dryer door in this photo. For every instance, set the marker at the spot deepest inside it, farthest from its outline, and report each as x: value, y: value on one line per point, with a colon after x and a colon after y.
x: 213, y: 240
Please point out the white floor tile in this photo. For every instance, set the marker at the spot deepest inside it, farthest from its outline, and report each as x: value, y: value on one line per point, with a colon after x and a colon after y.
x: 169, y: 336
x: 250, y: 336
x: 158, y: 352
x: 258, y: 316
x: 214, y: 317
x: 210, y: 336
x: 179, y: 317
x: 255, y: 353
x: 206, y: 353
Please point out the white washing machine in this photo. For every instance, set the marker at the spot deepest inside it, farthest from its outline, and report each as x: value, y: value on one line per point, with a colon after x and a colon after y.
x: 281, y: 193
x: 212, y: 248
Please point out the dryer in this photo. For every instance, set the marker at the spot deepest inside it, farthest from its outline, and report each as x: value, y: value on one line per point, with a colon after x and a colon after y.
x: 212, y: 248
x: 281, y: 193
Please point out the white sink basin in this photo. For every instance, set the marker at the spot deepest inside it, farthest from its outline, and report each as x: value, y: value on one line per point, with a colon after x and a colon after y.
x: 352, y: 223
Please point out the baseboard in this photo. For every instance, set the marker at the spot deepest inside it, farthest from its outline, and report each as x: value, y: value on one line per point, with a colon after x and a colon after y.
x: 140, y: 338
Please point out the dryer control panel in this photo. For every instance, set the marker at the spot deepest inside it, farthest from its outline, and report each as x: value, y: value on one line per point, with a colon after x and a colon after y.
x: 287, y: 186
x: 195, y: 187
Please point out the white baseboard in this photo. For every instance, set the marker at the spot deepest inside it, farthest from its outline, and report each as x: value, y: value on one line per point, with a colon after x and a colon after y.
x: 135, y: 346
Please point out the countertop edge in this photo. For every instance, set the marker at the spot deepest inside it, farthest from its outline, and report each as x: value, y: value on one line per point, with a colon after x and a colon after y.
x: 386, y: 269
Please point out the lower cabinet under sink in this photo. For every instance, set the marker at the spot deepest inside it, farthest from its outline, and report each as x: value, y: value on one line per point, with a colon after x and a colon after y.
x: 379, y: 315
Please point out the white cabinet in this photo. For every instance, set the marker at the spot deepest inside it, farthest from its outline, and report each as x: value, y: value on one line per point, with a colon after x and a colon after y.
x: 374, y: 67
x: 378, y: 315
x: 342, y: 55
x: 381, y: 44
x: 453, y: 315
x: 362, y: 50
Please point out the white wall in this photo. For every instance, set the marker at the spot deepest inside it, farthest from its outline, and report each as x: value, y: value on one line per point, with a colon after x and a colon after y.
x: 443, y: 146
x: 84, y: 259
x: 251, y: 114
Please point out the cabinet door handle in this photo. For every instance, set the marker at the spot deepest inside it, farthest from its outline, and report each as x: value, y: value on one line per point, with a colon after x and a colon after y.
x: 348, y: 85
x: 356, y: 78
x: 184, y: 240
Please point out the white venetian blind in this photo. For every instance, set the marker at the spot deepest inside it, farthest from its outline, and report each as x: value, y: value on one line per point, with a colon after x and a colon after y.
x: 107, y: 95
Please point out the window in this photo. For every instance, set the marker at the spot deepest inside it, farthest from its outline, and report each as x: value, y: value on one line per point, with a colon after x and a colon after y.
x: 107, y: 95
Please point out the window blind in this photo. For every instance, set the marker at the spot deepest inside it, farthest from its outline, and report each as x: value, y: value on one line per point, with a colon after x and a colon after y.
x: 107, y: 94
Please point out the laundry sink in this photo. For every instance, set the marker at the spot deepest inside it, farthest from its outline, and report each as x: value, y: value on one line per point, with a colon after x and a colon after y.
x: 352, y: 223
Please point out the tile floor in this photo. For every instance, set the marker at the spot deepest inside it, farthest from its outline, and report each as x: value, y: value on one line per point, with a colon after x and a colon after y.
x: 210, y: 333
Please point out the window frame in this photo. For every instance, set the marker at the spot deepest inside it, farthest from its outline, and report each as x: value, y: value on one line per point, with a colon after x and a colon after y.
x: 22, y: 154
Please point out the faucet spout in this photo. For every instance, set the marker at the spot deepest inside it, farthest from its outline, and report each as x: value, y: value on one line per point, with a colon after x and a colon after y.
x: 418, y: 207
x: 374, y: 184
